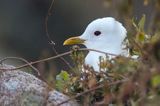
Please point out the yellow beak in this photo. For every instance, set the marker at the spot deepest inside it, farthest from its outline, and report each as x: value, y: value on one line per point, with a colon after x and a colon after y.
x: 74, y: 40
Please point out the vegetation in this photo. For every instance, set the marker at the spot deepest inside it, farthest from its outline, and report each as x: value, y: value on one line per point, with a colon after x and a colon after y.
x: 122, y: 81
x: 126, y: 81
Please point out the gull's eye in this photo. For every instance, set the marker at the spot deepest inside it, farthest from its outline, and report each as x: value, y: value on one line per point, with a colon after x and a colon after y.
x: 97, y: 33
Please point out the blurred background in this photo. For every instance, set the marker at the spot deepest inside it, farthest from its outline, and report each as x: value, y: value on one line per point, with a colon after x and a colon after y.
x: 22, y: 25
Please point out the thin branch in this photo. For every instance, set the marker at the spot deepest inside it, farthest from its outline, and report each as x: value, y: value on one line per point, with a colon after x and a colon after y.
x: 57, y: 56
x: 22, y: 59
x: 46, y: 23
x: 86, y: 49
x: 51, y: 42
x: 91, y: 90
x: 38, y: 61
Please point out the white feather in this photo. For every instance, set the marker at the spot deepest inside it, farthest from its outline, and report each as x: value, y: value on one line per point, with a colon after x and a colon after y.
x: 110, y: 40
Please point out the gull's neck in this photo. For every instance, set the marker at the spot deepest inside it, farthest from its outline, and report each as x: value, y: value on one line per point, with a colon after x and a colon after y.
x: 92, y: 57
x: 110, y: 47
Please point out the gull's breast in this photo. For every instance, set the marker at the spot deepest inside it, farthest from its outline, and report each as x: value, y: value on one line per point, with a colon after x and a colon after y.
x: 93, y: 58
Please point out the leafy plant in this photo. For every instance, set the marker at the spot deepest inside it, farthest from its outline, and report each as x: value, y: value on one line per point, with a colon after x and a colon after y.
x: 125, y: 81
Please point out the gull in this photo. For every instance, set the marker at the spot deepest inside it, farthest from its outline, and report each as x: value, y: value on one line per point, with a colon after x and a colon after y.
x: 103, y: 34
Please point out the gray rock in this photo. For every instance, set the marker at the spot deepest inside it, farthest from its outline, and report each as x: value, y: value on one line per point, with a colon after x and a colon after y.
x: 18, y: 88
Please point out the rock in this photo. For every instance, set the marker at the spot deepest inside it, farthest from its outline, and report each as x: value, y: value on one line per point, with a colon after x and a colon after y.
x: 18, y: 88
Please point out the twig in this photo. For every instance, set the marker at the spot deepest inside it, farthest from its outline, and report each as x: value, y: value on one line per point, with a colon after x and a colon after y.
x: 46, y: 23
x: 86, y: 49
x: 38, y: 61
x: 57, y: 56
x: 51, y: 42
x: 91, y: 90
x: 22, y: 59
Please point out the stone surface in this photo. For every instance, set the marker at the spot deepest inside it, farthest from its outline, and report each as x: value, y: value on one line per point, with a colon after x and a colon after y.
x: 18, y: 88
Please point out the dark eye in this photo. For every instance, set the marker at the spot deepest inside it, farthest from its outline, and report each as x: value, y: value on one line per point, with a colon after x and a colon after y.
x: 97, y: 33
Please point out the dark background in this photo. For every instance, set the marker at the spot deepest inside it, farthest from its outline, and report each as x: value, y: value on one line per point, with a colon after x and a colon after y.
x: 22, y: 24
